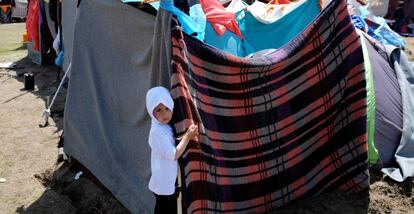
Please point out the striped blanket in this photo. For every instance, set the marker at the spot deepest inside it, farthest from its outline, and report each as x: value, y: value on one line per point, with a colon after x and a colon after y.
x: 273, y: 130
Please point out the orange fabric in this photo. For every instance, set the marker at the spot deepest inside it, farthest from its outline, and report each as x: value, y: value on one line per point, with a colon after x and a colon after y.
x: 32, y: 21
x: 220, y: 19
x: 5, y: 8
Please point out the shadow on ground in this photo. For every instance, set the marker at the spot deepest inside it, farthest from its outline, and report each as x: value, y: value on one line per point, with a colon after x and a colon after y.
x: 65, y: 194
x: 46, y: 83
x: 49, y: 202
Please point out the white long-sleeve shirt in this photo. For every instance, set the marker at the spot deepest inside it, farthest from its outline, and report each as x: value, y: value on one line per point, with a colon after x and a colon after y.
x: 164, y: 167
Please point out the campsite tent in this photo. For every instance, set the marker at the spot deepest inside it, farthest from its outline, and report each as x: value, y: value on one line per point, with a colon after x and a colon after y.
x: 105, y: 118
x: 285, y: 127
x: 19, y: 9
x: 68, y: 22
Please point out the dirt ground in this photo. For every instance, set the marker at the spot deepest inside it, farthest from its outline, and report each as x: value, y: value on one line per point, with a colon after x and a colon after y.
x: 25, y: 149
x: 36, y: 183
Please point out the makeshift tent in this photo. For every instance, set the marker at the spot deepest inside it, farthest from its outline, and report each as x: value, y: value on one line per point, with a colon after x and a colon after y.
x: 284, y: 127
x: 106, y: 123
x: 384, y: 106
x: 387, y: 89
x: 404, y: 156
x: 68, y: 22
x: 390, y: 135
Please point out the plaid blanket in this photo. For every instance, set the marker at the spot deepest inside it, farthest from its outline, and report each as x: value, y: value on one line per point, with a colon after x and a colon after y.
x: 273, y: 130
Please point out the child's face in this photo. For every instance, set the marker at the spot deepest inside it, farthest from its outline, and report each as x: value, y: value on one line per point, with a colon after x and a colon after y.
x: 162, y: 113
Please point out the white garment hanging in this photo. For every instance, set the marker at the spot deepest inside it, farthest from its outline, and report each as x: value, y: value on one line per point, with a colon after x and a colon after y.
x: 56, y: 42
x: 270, y: 13
x: 262, y: 53
x: 236, y: 6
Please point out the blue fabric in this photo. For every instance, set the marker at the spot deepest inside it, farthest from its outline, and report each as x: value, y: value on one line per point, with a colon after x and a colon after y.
x: 59, y: 58
x: 359, y: 23
x: 264, y: 36
x: 380, y: 30
x: 198, y: 16
x: 257, y: 35
x: 385, y: 35
x: 228, y: 42
x: 155, y: 5
x: 189, y: 26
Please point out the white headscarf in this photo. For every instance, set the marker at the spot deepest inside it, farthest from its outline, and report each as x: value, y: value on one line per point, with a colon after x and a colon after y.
x: 158, y: 95
x: 164, y: 167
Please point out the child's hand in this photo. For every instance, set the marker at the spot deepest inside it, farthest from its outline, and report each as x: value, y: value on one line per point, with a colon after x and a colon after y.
x: 192, y: 131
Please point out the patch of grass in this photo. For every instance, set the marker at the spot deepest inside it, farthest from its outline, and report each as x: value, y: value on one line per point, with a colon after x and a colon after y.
x: 12, y: 47
x: 10, y: 44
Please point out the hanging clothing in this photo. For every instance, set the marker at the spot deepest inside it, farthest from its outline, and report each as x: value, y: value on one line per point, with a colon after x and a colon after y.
x: 189, y: 26
x: 264, y: 36
x: 228, y: 41
x: 279, y: 2
x: 220, y: 19
x: 262, y: 54
x: 236, y: 6
x: 198, y: 16
x: 269, y: 13
x: 32, y: 21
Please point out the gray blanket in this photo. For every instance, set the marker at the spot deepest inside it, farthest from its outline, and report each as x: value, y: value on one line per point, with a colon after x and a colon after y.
x: 106, y: 125
x: 68, y: 21
x: 404, y: 155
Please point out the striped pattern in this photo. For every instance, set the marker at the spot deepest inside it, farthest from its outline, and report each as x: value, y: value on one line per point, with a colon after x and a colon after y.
x: 277, y: 130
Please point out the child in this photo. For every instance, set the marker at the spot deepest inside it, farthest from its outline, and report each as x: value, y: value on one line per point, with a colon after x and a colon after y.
x: 164, y: 154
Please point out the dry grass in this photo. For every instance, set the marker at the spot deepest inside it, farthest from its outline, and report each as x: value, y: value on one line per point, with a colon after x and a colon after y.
x: 11, y: 45
x: 25, y: 149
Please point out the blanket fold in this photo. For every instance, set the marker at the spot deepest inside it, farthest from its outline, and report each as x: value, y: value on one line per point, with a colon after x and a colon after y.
x: 273, y: 130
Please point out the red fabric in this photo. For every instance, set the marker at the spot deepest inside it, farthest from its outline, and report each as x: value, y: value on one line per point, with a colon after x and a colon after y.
x: 280, y: 2
x: 220, y: 19
x: 32, y: 21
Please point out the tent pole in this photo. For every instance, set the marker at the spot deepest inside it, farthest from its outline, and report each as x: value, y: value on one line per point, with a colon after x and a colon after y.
x: 46, y: 112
